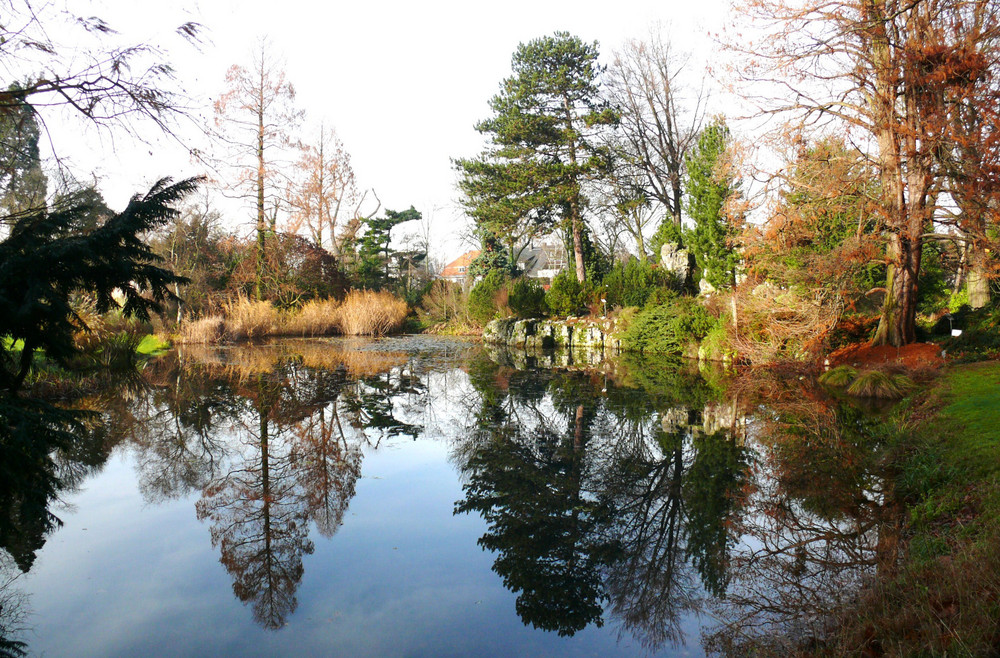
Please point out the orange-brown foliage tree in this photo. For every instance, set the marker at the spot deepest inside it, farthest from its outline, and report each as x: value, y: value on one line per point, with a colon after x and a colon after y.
x: 824, y: 234
x: 887, y: 72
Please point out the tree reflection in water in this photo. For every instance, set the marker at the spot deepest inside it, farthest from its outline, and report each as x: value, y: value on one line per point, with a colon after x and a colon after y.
x: 45, y: 452
x: 593, y: 499
x: 262, y: 434
x: 820, y: 521
x: 639, y: 495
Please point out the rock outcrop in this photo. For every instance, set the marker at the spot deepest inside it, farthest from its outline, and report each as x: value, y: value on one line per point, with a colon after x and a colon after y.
x: 676, y: 260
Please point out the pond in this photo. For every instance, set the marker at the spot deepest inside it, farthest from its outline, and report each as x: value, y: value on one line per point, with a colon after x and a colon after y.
x: 424, y: 496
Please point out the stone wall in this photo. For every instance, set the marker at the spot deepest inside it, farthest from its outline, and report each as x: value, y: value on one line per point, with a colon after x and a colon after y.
x: 571, y: 333
x: 599, y: 337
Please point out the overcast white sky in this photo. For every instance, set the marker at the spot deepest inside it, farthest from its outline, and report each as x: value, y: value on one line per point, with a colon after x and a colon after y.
x: 403, y: 83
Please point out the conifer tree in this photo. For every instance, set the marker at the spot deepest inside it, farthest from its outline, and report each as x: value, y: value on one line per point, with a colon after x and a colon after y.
x: 44, y: 260
x: 543, y: 145
x: 708, y: 189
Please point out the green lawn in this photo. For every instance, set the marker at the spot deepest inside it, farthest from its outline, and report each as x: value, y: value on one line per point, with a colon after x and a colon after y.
x: 970, y: 419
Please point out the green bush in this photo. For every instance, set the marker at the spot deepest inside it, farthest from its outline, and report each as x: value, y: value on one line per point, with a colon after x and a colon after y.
x: 668, y: 328
x: 661, y: 296
x: 567, y: 296
x: 632, y: 283
x: 715, y: 344
x: 934, y: 292
x: 958, y: 300
x: 526, y: 298
x: 483, y: 297
x: 668, y: 231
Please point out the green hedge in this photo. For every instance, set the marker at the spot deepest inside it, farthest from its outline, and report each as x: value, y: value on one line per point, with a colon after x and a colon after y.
x: 632, y: 283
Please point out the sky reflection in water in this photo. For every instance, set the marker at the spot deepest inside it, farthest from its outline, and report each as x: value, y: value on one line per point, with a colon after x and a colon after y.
x: 336, y: 498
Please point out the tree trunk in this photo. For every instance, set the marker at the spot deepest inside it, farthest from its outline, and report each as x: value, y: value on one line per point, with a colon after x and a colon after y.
x: 574, y: 201
x: 905, y: 171
x: 581, y: 269
x: 979, y: 285
x: 261, y: 226
x: 897, y: 326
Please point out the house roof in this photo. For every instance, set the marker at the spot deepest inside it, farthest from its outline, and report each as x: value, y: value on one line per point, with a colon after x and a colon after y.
x: 457, y: 267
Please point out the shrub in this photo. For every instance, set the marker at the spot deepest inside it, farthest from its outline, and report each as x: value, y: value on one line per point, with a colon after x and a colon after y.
x: 661, y: 296
x: 316, y: 317
x: 716, y: 344
x: 667, y: 231
x: 632, y: 283
x: 445, y: 301
x: 526, y: 298
x: 980, y: 337
x: 117, y: 352
x: 483, y: 297
x: 958, y: 300
x: 567, y: 296
x: 668, y: 328
x: 370, y: 313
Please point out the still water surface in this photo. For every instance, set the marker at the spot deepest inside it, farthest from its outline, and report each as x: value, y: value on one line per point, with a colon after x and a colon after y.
x: 427, y: 497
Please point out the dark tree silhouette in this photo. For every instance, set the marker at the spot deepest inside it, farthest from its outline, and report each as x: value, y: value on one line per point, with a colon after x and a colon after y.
x: 42, y: 263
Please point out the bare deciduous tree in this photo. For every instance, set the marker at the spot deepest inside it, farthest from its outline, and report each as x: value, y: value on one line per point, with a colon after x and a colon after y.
x: 324, y: 189
x: 254, y: 117
x: 660, y: 121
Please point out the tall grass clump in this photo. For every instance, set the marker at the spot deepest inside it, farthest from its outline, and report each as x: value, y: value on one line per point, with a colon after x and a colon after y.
x: 205, y: 331
x: 248, y: 320
x: 838, y: 377
x: 317, y: 317
x: 370, y: 313
x: 878, y: 384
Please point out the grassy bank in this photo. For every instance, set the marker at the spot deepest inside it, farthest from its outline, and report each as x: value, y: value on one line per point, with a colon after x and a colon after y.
x: 944, y: 600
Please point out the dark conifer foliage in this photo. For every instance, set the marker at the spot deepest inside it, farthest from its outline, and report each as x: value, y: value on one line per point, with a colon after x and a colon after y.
x: 43, y: 261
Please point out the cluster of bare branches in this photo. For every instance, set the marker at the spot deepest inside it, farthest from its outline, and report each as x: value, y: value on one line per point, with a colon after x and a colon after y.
x: 57, y: 60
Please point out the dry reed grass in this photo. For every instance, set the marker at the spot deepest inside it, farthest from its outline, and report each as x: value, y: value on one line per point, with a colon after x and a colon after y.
x: 369, y: 313
x: 206, y: 331
x: 316, y: 317
x: 363, y: 313
x: 248, y: 320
